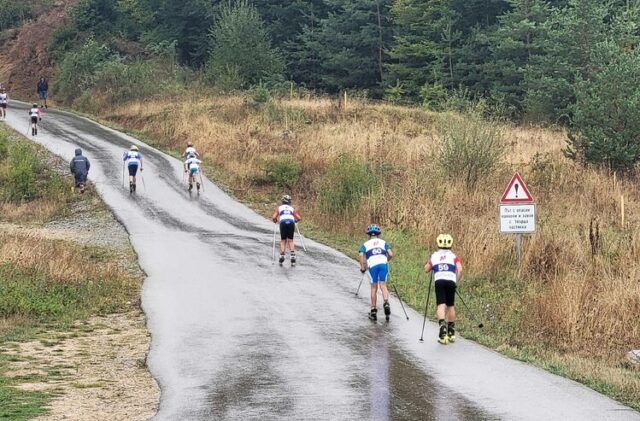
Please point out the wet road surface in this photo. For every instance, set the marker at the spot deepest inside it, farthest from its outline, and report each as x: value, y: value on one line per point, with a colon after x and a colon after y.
x: 235, y: 336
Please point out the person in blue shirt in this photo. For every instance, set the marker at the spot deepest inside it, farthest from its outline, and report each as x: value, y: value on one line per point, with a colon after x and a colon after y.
x: 375, y: 254
x: 133, y: 159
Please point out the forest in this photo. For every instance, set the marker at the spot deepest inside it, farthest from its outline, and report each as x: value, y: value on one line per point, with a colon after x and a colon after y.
x: 568, y: 63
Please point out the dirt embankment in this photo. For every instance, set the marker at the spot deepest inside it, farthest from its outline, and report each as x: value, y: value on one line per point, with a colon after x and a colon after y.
x: 23, y: 51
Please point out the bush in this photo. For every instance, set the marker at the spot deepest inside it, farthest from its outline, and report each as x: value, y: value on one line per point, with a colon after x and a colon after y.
x: 433, y: 96
x: 21, y: 175
x: 283, y: 171
x: 347, y: 181
x: 261, y: 94
x: 471, y: 148
x: 3, y: 146
x: 12, y: 13
x: 78, y: 70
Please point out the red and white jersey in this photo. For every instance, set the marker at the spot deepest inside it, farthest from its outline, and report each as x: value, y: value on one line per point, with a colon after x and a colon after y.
x: 443, y: 263
x: 287, y: 213
x: 4, y: 98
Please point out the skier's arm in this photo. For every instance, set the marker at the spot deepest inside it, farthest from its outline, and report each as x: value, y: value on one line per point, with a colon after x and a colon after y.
x: 387, y: 247
x: 428, y: 266
x: 363, y: 263
x: 72, y: 166
x: 296, y: 215
x: 274, y: 217
x: 141, y: 163
x: 458, y: 270
x: 88, y: 163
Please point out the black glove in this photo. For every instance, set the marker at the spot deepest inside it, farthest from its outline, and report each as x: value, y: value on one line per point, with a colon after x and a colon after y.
x: 362, y: 270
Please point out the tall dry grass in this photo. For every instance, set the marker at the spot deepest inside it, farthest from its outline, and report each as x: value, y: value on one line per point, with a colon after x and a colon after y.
x: 579, y: 295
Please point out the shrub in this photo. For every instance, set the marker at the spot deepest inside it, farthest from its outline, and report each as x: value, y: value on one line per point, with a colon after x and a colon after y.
x: 21, y: 175
x: 261, y: 94
x: 347, y: 181
x: 12, y: 13
x: 3, y: 146
x: 284, y: 171
x: 471, y: 148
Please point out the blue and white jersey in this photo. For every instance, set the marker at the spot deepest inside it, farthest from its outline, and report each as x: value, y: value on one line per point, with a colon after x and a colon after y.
x: 286, y: 213
x: 443, y: 263
x: 376, y: 251
x: 133, y: 158
x: 193, y: 162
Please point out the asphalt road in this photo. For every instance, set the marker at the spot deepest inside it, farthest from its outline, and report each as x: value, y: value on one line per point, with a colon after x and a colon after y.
x: 237, y: 337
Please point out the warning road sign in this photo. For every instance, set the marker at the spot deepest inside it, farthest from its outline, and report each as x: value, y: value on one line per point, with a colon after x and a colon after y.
x: 516, y: 191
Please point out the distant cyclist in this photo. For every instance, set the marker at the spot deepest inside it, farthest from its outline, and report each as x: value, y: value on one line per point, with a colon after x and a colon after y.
x: 192, y: 166
x: 447, y: 272
x: 375, y: 254
x: 190, y: 152
x: 287, y: 216
x: 4, y: 102
x: 133, y: 159
x: 35, y: 114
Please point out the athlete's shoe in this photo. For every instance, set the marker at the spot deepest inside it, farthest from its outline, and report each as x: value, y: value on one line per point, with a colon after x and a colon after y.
x: 36, y: 132
x: 130, y: 187
x: 293, y: 259
x: 190, y: 186
x: 373, y: 314
x: 387, y: 310
x: 134, y: 187
x: 281, y: 259
x: 451, y: 334
x: 442, y: 336
x: 198, y: 186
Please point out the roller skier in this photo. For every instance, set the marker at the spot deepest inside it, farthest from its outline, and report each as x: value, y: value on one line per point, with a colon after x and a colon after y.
x: 375, y: 254
x: 287, y: 216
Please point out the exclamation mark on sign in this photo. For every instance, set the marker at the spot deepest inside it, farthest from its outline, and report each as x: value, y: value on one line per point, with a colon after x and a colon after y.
x: 517, y: 186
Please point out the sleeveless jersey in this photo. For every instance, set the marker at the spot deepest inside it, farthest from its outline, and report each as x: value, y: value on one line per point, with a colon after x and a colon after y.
x: 443, y: 263
x: 3, y: 98
x: 286, y: 213
x: 132, y: 158
x: 375, y: 250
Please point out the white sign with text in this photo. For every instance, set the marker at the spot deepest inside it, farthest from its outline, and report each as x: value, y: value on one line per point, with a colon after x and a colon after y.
x: 518, y: 218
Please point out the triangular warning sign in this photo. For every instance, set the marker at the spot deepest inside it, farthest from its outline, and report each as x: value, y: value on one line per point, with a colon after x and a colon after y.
x: 516, y: 191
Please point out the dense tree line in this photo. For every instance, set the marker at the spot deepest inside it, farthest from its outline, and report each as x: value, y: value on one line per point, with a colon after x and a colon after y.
x: 540, y: 60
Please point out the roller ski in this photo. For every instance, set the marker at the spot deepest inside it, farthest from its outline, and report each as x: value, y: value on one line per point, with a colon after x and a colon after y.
x: 373, y: 314
x: 190, y: 187
x: 443, y: 338
x: 198, y: 187
x: 387, y: 310
x: 293, y: 259
x: 132, y: 187
x: 451, y: 332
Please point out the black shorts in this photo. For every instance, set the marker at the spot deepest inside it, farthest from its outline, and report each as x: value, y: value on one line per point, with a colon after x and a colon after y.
x: 287, y: 228
x: 445, y: 293
x: 34, y: 120
x: 3, y: 105
x: 133, y: 169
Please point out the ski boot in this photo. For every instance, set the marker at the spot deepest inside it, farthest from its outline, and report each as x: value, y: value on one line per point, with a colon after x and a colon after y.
x: 293, y: 259
x: 281, y: 259
x: 442, y: 336
x: 451, y: 331
x: 387, y: 310
x: 81, y: 187
x: 373, y: 314
x: 36, y: 132
x: 131, y: 186
x: 33, y: 132
x: 198, y: 187
x: 190, y: 187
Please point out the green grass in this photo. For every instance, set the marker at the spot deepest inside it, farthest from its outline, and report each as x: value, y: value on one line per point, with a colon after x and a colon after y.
x: 16, y: 404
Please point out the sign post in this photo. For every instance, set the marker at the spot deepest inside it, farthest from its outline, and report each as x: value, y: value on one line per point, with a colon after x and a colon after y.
x: 517, y: 212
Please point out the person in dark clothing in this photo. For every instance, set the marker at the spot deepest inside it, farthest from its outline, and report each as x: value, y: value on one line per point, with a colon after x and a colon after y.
x: 43, y: 91
x: 80, y: 168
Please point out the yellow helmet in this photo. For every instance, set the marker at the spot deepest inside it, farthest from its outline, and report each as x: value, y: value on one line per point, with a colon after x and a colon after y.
x: 133, y: 148
x: 445, y: 241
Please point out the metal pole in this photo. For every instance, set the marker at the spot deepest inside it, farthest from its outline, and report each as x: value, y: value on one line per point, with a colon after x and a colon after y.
x: 519, y: 250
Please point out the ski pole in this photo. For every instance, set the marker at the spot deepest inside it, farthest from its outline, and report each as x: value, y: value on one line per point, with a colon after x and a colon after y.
x: 274, y: 242
x: 480, y: 325
x: 426, y: 308
x: 301, y: 238
x: 123, y: 175
x: 201, y: 182
x: 143, y: 183
x: 363, y: 276
x: 400, y: 299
